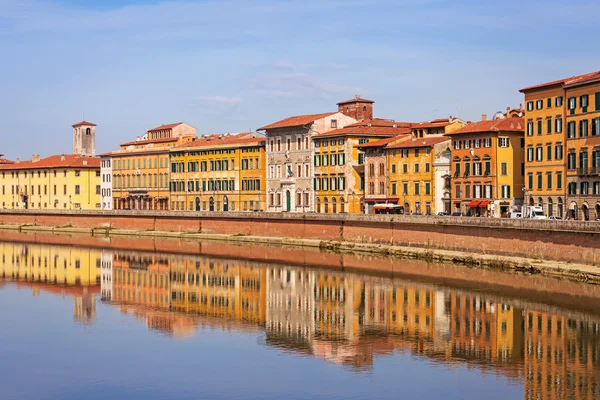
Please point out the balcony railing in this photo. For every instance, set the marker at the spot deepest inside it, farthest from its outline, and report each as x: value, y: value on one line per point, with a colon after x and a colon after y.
x: 588, y: 171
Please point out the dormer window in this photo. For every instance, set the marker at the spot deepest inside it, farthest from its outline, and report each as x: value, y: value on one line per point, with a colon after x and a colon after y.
x: 334, y: 123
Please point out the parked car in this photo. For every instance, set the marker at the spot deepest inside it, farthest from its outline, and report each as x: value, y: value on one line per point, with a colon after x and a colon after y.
x: 442, y: 214
x: 457, y: 214
x: 553, y: 218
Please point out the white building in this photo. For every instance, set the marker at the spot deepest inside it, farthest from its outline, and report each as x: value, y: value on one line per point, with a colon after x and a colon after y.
x: 106, y: 198
x: 106, y: 275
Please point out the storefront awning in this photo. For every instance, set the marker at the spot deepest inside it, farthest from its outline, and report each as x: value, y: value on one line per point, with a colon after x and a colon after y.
x: 456, y: 201
x: 483, y: 204
x: 474, y: 204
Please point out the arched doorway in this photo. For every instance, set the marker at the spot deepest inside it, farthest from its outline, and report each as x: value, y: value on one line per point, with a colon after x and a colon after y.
x: 573, y: 211
x: 585, y: 211
x: 342, y: 205
x: 288, y: 201
x: 326, y: 205
x: 406, y: 208
x: 531, y: 202
x: 211, y: 204
x: 334, y: 205
x: 541, y: 203
x: 598, y: 211
x: 560, y: 208
x: 225, y: 203
x: 550, y: 207
x: 318, y: 205
x: 197, y: 203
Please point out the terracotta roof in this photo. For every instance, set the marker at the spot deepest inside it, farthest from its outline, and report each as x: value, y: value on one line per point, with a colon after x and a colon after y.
x: 364, y: 131
x: 224, y: 140
x: 382, y: 142
x: 578, y: 79
x: 126, y: 153
x: 357, y: 99
x: 56, y: 161
x: 494, y: 125
x: 162, y: 140
x: 427, y: 125
x: 420, y: 142
x: 296, y: 121
x: 164, y: 127
x: 380, y: 122
x: 83, y: 123
x: 5, y: 161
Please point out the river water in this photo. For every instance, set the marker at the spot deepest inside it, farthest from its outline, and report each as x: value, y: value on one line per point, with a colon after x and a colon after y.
x: 98, y: 323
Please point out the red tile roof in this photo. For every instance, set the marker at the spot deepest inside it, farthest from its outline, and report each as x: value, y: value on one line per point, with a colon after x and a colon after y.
x: 380, y: 122
x: 165, y: 127
x: 56, y: 161
x: 83, y: 123
x: 357, y: 99
x: 138, y: 142
x: 578, y: 79
x: 365, y: 131
x: 382, y: 142
x: 297, y: 120
x: 420, y: 142
x: 494, y: 125
x: 429, y: 125
x: 224, y: 140
x: 5, y: 161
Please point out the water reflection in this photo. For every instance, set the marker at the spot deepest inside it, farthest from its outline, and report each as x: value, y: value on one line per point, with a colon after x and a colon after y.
x: 345, y: 318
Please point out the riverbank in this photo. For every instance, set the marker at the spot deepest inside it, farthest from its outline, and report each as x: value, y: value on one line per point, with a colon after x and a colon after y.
x: 578, y: 272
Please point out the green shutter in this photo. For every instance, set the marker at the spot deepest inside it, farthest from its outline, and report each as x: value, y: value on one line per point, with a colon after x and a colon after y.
x: 539, y: 127
x: 549, y: 125
x: 597, y: 101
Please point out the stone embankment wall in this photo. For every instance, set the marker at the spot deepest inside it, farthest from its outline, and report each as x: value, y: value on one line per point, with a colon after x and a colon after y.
x: 574, y: 241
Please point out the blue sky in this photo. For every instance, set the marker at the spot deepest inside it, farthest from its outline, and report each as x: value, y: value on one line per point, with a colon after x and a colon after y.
x: 235, y: 65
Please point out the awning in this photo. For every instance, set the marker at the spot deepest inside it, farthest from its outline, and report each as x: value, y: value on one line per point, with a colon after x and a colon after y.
x: 456, y: 201
x: 483, y: 204
x: 474, y: 203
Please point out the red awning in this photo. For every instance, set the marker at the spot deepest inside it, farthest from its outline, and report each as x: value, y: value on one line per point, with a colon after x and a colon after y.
x: 474, y: 203
x: 483, y: 204
x: 456, y: 201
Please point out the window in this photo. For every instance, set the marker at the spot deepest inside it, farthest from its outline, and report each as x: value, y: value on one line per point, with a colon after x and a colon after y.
x: 571, y: 164
x: 334, y: 123
x: 381, y: 188
x: 417, y: 188
x: 393, y: 188
x: 571, y: 129
x: 583, y: 100
x: 427, y: 188
x: 558, y: 123
x: 457, y: 145
x: 539, y: 126
x: 595, y: 131
x: 539, y: 104
x: 549, y: 102
x: 549, y: 125
x: 530, y: 182
x: 488, y: 168
x: 457, y: 169
x: 288, y: 142
x: 77, y: 189
x: 549, y: 180
x: 597, y: 101
x: 477, y: 168
x: 549, y: 152
x: 530, y: 154
x: 502, y: 142
x: 559, y: 180
x: 467, y: 144
x: 361, y: 159
x: 572, y: 104
x: 530, y: 106
x: 583, y: 128
x: 477, y: 143
x: 539, y: 156
x: 77, y: 173
x: 558, y: 152
x: 393, y: 168
x: 506, y: 191
x: 404, y: 188
x: 504, y: 169
x: 559, y: 101
x: 416, y: 167
x: 427, y: 167
x: 487, y: 142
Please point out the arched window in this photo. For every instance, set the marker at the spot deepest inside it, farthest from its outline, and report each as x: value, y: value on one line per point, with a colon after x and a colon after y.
x: 326, y: 205
x: 371, y: 169
x: 381, y: 169
x: 334, y: 205
x: 364, y: 108
x: 88, y: 131
x: 318, y: 205
x: 342, y: 205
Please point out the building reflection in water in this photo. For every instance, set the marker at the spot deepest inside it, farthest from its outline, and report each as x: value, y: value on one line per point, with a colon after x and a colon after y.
x: 344, y: 318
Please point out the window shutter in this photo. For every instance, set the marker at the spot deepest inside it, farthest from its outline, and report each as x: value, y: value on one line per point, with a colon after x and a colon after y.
x: 597, y: 101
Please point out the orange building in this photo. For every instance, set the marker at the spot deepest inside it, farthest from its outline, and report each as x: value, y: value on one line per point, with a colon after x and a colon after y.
x: 487, y: 167
x: 140, y: 169
x: 563, y: 126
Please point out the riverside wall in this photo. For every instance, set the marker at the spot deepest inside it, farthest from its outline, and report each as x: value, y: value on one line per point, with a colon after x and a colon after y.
x: 570, y: 241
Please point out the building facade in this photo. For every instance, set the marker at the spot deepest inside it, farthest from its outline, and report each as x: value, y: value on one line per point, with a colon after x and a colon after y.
x: 106, y: 199
x: 219, y: 173
x: 339, y: 164
x: 487, y: 167
x: 290, y: 154
x: 84, y: 139
x: 412, y: 174
x: 140, y: 169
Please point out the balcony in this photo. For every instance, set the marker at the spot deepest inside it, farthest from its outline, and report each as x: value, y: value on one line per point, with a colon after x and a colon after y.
x: 588, y: 171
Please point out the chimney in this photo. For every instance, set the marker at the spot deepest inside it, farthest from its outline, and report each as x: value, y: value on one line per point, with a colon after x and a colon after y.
x: 62, y: 158
x: 484, y: 117
x: 35, y: 158
x: 85, y: 162
x: 18, y: 160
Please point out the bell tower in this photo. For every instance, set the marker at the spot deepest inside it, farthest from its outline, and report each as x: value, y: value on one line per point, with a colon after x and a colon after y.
x: 84, y: 139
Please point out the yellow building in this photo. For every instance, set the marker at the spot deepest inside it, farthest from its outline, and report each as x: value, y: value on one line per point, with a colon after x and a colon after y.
x: 338, y: 164
x: 219, y: 173
x: 139, y: 170
x: 60, y: 182
x: 487, y: 167
x: 50, y: 264
x: 412, y: 173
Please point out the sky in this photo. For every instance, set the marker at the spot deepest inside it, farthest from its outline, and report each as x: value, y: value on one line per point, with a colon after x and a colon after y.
x: 236, y: 65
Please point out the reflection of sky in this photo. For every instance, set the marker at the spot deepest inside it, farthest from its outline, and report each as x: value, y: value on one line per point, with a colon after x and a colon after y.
x: 47, y: 355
